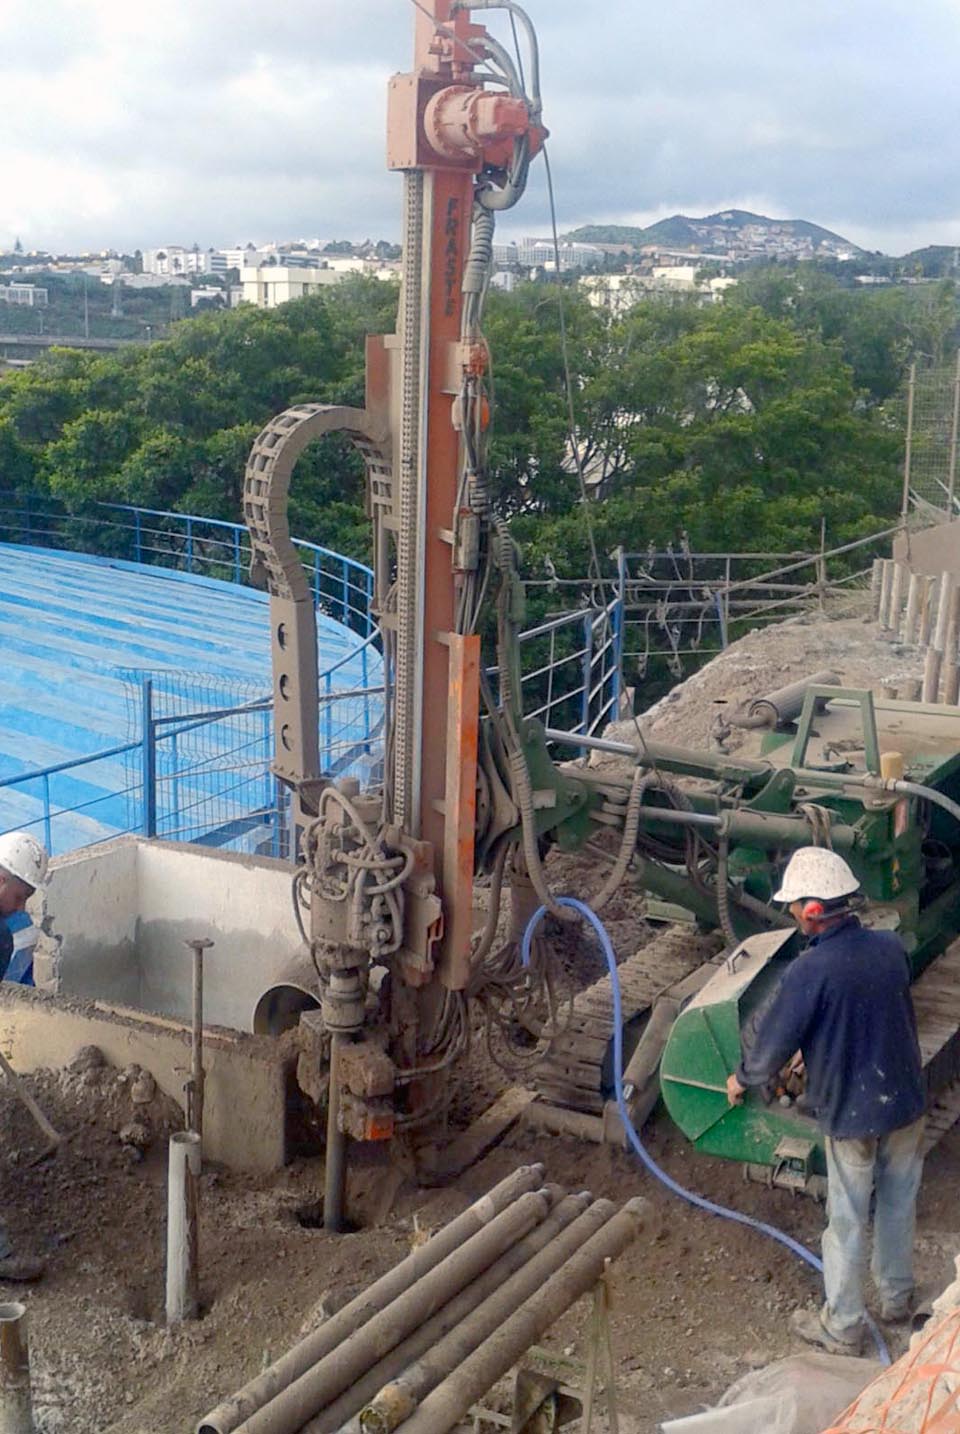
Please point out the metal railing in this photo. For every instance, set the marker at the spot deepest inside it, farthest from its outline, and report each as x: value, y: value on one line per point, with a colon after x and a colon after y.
x: 206, y: 547
x: 571, y: 671
x: 200, y: 775
x: 200, y: 772
x: 677, y: 604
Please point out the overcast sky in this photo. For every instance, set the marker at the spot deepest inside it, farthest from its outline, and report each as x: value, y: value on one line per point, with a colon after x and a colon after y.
x: 131, y: 125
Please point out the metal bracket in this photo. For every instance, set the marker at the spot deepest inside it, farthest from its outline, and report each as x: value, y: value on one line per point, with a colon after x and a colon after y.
x: 868, y: 717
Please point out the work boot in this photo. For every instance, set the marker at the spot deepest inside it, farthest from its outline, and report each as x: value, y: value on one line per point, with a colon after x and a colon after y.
x: 808, y: 1325
x: 897, y: 1309
x: 21, y: 1269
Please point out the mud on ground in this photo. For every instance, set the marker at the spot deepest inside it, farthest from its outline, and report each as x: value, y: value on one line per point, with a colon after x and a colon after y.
x: 696, y: 1304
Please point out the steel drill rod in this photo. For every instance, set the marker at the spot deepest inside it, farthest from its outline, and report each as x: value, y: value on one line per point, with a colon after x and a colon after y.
x: 195, y: 1100
x: 420, y: 1340
x: 258, y: 1391
x: 16, y: 1405
x: 335, y: 1158
x: 397, y: 1401
x: 318, y: 1386
x: 446, y: 1405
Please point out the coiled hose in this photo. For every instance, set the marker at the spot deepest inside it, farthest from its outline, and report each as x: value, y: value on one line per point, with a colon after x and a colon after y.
x: 639, y: 1148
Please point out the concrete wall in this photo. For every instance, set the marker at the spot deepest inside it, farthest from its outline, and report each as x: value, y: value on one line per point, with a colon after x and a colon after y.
x: 241, y: 903
x: 116, y: 917
x: 244, y: 1110
x: 88, y: 916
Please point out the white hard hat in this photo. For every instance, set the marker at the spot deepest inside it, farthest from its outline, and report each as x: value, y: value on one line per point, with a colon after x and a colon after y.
x: 814, y: 871
x: 23, y: 857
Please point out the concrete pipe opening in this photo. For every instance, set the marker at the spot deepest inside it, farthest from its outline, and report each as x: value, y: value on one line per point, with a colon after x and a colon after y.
x: 291, y: 993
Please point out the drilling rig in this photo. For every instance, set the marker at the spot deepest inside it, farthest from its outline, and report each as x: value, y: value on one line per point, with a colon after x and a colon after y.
x: 384, y: 885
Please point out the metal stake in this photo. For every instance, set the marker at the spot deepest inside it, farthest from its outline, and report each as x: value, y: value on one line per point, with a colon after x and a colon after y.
x: 600, y: 1342
x: 195, y: 1084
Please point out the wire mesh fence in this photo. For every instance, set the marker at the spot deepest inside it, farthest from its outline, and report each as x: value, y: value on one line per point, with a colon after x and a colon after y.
x: 203, y: 760
x: 929, y: 409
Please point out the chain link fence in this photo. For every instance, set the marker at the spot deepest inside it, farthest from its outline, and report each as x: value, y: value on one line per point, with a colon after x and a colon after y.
x: 929, y: 410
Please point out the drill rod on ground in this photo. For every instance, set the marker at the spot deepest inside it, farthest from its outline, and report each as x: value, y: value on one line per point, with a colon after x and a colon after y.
x: 306, y: 1396
x: 335, y: 1415
x: 316, y: 1345
x: 448, y: 1403
x: 397, y: 1400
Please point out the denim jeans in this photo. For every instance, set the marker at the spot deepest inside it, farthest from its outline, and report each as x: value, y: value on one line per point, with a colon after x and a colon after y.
x: 892, y: 1166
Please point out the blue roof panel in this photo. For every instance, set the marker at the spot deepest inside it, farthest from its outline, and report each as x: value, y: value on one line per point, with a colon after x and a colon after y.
x: 77, y: 634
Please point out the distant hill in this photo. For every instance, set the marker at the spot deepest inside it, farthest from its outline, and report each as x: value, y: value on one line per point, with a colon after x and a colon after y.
x: 936, y: 261
x: 728, y: 225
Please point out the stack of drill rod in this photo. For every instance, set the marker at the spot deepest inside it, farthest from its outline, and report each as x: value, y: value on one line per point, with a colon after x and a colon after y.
x: 422, y: 1344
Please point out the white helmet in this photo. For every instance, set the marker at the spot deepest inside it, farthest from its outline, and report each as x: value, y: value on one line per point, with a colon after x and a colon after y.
x: 23, y: 857
x: 815, y: 871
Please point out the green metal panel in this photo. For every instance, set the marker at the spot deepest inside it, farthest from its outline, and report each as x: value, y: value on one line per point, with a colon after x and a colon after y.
x: 704, y: 1048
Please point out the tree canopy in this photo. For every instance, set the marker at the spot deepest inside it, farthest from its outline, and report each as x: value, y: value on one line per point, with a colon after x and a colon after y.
x: 740, y: 424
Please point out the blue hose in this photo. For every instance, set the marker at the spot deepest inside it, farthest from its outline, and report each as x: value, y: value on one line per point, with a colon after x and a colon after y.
x: 701, y: 1203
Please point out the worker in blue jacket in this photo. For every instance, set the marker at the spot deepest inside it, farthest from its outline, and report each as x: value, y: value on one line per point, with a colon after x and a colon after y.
x: 23, y: 867
x: 844, y: 1004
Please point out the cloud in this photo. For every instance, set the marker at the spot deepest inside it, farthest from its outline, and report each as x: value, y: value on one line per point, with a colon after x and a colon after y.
x: 128, y: 126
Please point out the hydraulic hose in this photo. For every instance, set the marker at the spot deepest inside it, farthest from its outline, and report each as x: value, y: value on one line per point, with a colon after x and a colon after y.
x: 639, y: 1148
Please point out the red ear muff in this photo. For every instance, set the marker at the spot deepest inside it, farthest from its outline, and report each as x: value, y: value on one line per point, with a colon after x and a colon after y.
x: 812, y: 910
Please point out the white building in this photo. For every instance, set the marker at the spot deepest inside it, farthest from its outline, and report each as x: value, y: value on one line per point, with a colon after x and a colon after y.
x: 249, y: 256
x: 153, y: 281
x: 619, y: 292
x: 28, y: 294
x: 540, y: 254
x: 269, y: 285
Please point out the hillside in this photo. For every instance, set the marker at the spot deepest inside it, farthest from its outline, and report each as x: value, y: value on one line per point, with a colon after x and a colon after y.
x: 936, y: 261
x: 729, y: 227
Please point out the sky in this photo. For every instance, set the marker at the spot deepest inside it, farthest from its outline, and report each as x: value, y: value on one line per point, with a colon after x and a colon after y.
x: 129, y: 126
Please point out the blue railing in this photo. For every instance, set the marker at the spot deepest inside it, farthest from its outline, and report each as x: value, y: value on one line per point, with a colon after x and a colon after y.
x: 201, y: 776
x: 207, y: 547
x: 203, y: 773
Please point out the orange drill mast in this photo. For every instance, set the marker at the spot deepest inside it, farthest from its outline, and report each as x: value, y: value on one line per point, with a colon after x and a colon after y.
x: 387, y: 877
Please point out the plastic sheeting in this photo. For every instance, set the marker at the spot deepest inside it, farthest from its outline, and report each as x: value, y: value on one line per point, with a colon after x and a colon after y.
x: 798, y: 1395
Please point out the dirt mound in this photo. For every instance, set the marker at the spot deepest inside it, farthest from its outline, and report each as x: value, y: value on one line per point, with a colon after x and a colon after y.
x: 764, y: 660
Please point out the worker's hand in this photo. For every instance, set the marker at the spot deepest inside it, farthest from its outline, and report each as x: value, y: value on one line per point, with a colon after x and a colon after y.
x: 734, y: 1090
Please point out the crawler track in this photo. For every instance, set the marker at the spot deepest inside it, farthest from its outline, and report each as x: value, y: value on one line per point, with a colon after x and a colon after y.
x: 575, y: 1072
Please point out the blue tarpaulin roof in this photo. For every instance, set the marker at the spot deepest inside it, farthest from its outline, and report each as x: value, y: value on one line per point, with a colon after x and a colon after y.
x: 75, y: 631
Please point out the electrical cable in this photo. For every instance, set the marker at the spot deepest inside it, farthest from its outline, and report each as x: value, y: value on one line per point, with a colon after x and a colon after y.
x: 737, y: 1216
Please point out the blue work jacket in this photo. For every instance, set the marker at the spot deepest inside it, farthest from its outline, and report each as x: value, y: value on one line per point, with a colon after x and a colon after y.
x: 845, y: 1004
x: 18, y: 937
